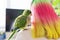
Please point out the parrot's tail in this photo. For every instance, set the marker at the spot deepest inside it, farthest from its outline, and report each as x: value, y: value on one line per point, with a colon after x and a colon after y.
x: 12, y: 34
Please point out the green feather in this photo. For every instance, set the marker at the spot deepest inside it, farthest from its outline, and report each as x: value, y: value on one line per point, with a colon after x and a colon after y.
x: 20, y: 22
x: 12, y: 34
x: 26, y: 12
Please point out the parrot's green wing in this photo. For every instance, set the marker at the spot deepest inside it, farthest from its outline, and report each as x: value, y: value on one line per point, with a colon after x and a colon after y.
x: 20, y: 21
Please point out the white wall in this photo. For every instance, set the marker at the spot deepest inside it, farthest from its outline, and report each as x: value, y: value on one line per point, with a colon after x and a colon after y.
x: 2, y: 14
x: 19, y: 4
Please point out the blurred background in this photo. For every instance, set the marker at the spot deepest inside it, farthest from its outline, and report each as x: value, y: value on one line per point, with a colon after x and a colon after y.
x: 2, y: 19
x: 11, y: 14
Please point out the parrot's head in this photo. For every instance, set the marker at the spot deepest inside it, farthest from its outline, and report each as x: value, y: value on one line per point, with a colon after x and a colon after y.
x: 26, y: 12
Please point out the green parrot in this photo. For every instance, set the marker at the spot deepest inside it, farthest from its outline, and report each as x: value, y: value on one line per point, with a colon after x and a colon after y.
x: 20, y: 22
